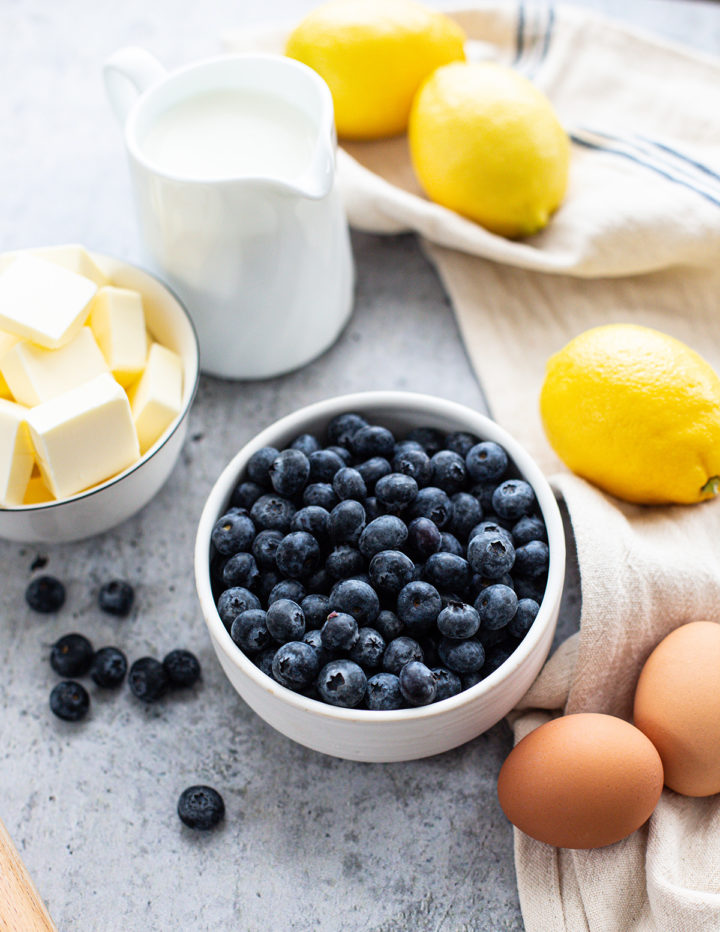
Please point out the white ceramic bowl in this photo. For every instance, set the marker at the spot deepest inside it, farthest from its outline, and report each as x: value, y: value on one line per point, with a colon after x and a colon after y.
x: 360, y: 734
x: 111, y: 502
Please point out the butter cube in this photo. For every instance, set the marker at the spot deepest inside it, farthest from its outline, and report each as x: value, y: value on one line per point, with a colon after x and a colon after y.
x: 35, y: 374
x: 156, y: 399
x: 75, y: 259
x: 16, y: 453
x: 7, y: 341
x: 43, y: 302
x: 118, y: 322
x: 83, y: 436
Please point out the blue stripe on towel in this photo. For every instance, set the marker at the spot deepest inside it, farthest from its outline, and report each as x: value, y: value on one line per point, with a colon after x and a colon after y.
x: 654, y: 168
x: 532, y: 40
x: 683, y: 158
x: 519, y: 33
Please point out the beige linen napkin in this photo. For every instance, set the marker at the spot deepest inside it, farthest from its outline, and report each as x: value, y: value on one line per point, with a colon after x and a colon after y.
x: 637, y: 239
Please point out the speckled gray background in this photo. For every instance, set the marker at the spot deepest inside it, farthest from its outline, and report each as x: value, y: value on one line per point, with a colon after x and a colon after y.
x: 309, y: 842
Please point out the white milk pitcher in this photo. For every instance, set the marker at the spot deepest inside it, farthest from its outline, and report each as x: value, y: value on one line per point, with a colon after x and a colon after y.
x: 233, y: 166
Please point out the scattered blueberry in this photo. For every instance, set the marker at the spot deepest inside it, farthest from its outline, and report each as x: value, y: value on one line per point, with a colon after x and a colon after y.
x: 45, y: 594
x: 182, y: 668
x: 71, y: 655
x: 200, y: 807
x: 148, y: 680
x: 69, y: 700
x: 109, y: 666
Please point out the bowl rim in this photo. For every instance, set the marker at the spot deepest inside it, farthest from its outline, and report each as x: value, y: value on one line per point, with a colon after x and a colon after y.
x: 169, y: 431
x: 411, y: 403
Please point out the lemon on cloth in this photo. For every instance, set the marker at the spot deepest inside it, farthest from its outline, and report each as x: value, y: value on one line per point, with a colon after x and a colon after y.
x: 374, y: 54
x: 636, y: 412
x: 486, y: 143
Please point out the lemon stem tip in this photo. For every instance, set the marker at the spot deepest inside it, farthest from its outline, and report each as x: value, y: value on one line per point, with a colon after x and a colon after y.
x: 712, y: 486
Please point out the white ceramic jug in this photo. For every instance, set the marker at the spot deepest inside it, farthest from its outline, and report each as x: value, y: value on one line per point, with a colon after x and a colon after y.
x: 262, y: 260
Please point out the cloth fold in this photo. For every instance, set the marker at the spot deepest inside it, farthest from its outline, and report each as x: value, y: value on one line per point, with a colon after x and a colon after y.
x: 637, y: 239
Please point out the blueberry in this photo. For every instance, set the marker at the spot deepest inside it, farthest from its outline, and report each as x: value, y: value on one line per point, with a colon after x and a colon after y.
x: 424, y: 537
x: 148, y: 680
x: 233, y: 601
x: 372, y: 508
x: 530, y: 588
x: 348, y: 483
x: 258, y: 467
x: 344, y: 561
x: 489, y: 637
x: 388, y: 532
x: 263, y: 660
x: 323, y: 465
x: 447, y: 571
x: 513, y: 499
x: 448, y: 471
x: 460, y: 442
x: 486, y: 461
x: 341, y: 428
x: 390, y: 570
x: 528, y: 528
x: 285, y: 621
x: 418, y: 605
x: 314, y: 639
x: 368, y: 649
x: 356, y: 598
x: 314, y: 520
x: 383, y: 693
x: 245, y: 494
x: 432, y: 503
x: 388, y: 624
x: 315, y: 609
x: 372, y: 440
x: 491, y: 528
x: 264, y: 547
x: 496, y: 606
x: 268, y: 580
x: 69, y: 700
x: 531, y: 559
x: 108, y: 668
x: 467, y: 513
x: 340, y: 631
x: 401, y: 650
x: 525, y: 615
x: 458, y: 620
x: 342, y: 683
x: 465, y: 656
x: 297, y: 555
x: 414, y: 463
x: 450, y: 544
x: 343, y: 452
x: 346, y: 522
x: 401, y: 446
x: 373, y: 469
x: 233, y: 533
x: 200, y: 807
x: 45, y: 594
x: 182, y: 668
x: 430, y: 439
x: 321, y: 494
x: 71, y: 655
x: 483, y: 492
x: 447, y: 683
x: 249, y: 631
x: 291, y: 589
x: 273, y: 513
x: 396, y: 490
x: 295, y: 665
x: 417, y: 683
x: 240, y: 570
x: 289, y: 472
x: 490, y: 555
x: 306, y: 443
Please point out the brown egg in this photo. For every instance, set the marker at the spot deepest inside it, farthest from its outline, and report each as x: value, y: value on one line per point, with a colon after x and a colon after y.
x: 677, y: 705
x: 581, y: 781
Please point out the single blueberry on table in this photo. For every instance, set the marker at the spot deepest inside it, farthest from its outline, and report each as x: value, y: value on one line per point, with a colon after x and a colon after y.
x: 339, y: 632
x: 45, y: 594
x: 264, y: 547
x: 424, y: 537
x: 200, y: 807
x: 344, y: 561
x: 314, y: 520
x: 258, y: 467
x: 323, y: 465
x: 531, y: 559
x: 108, y: 667
x: 418, y: 605
x: 415, y: 463
x: 447, y: 571
x: 368, y: 649
x: 298, y: 555
x: 272, y: 512
x: 289, y: 472
x: 342, y: 683
x: 321, y: 494
x: 432, y: 503
x: 233, y: 533
x: 383, y: 693
x: 528, y: 528
x: 448, y: 471
x: 486, y: 462
x: 148, y: 680
x: 390, y: 570
x: 116, y: 597
x: 373, y: 469
x: 429, y: 438
x: 458, y: 620
x: 71, y: 655
x: 447, y: 683
x: 372, y: 440
x: 525, y: 615
x: 491, y: 555
x: 285, y: 621
x: 341, y: 428
x: 460, y: 442
x: 417, y: 683
x: 316, y: 608
x: 240, y: 570
x: 346, y: 522
x: 295, y: 665
x: 291, y: 589
x: 513, y: 498
x: 496, y: 605
x: 467, y: 514
x: 234, y: 601
x: 387, y: 532
x: 348, y: 483
x: 245, y: 494
x: 388, y: 624
x: 357, y: 598
x: 462, y: 657
x: 401, y: 650
x: 70, y: 701
x: 182, y: 668
x: 306, y: 443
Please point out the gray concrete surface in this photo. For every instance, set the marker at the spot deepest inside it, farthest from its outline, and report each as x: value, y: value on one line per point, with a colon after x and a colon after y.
x: 309, y: 842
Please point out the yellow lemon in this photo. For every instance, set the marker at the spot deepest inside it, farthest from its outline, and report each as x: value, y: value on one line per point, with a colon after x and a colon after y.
x: 486, y: 143
x: 636, y: 412
x: 374, y: 54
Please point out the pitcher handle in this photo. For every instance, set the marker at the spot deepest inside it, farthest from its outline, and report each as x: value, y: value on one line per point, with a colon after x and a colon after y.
x: 127, y: 73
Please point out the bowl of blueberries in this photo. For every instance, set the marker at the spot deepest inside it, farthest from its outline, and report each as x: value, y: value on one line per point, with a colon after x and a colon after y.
x: 380, y: 574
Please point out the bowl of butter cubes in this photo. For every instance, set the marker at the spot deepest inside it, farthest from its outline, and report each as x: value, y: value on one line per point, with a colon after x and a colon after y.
x: 99, y: 365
